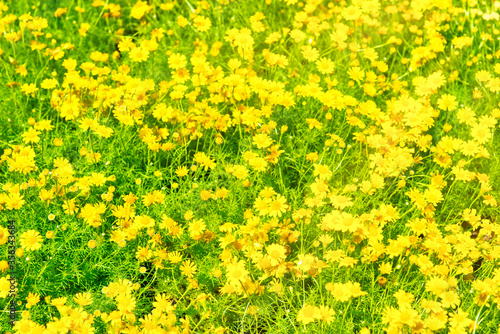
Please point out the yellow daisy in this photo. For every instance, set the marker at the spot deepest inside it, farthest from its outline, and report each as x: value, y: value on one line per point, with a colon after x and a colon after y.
x: 31, y: 240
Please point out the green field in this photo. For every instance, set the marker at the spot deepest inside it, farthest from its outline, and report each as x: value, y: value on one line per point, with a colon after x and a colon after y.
x: 237, y: 166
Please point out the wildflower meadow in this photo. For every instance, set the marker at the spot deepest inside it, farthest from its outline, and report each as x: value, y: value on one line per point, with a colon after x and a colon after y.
x: 249, y: 166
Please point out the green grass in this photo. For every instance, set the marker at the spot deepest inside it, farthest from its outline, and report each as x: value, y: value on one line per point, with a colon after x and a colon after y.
x: 362, y: 157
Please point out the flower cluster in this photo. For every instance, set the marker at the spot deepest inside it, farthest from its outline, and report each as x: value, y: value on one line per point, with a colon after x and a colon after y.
x: 238, y: 166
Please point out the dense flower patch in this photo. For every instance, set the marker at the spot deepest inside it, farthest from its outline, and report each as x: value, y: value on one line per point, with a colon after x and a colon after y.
x: 272, y: 166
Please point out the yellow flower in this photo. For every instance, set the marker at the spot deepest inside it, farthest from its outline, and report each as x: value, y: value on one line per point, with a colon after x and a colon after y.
x: 140, y: 9
x: 83, y: 299
x: 449, y: 299
x: 356, y: 73
x: 126, y: 303
x: 29, y: 89
x: 258, y: 163
x: 139, y: 54
x: 48, y: 83
x: 310, y: 53
x: 181, y: 171
x: 436, y: 285
x: 351, y: 13
x: 99, y: 56
x: 202, y: 23
x: 314, y: 123
x: 326, y: 314
x: 305, y: 261
x: 196, y: 228
x: 4, y: 265
x: 58, y: 142
x: 43, y: 124
x: 182, y: 21
x: 273, y: 37
x: 188, y: 268
x: 262, y: 140
x: 14, y: 201
x: 323, y: 171
x: 177, y: 61
x: 206, y: 195
x: 276, y: 254
x: 236, y: 273
x: 59, y: 301
x: 481, y: 133
x: 87, y: 66
x: 143, y: 253
x: 385, y: 268
x: 32, y: 299
x: 4, y: 286
x: 277, y: 206
x: 460, y: 319
x: 84, y: 27
x: 163, y: 303
x: 407, y: 316
x: 297, y: 35
x: 31, y: 240
x: 60, y: 12
x: 308, y: 313
x: 433, y: 195
x: 447, y: 102
x: 404, y: 298
x: 240, y: 172
x: 189, y: 215
x: 355, y: 289
x: 325, y: 66
x: 470, y: 148
x: 126, y: 44
x: 262, y: 205
x: 343, y: 292
x: 221, y: 193
x: 175, y: 257
x: 313, y: 156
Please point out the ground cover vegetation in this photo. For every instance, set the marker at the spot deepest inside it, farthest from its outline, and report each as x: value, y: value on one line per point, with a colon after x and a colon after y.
x: 276, y: 166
